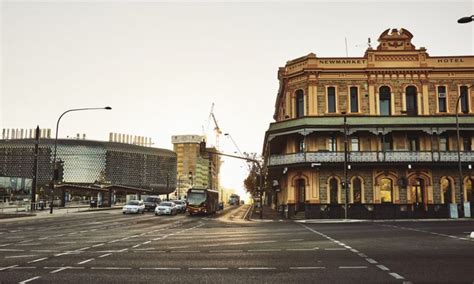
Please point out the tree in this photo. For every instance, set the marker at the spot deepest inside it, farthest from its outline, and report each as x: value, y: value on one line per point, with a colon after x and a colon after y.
x: 252, y: 181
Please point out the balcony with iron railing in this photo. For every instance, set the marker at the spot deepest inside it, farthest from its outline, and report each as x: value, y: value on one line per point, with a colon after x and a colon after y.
x: 369, y: 157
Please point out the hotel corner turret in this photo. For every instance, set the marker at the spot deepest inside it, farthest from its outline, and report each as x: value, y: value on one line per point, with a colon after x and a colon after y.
x: 378, y: 132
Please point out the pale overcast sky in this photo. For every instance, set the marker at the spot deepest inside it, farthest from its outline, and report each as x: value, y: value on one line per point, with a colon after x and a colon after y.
x: 161, y: 65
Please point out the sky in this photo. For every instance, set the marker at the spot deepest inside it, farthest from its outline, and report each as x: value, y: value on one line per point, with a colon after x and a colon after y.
x: 161, y: 65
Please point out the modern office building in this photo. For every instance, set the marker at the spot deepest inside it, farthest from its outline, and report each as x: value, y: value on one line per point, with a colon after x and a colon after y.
x: 86, y: 166
x: 376, y: 132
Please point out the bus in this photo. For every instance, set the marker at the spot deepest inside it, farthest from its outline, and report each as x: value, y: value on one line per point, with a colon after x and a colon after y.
x: 202, y: 201
x: 234, y: 199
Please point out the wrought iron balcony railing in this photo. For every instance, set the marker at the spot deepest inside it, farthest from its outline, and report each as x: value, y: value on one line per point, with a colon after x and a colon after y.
x: 370, y: 157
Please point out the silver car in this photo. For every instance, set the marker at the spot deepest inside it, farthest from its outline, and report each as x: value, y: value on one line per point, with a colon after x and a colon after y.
x: 134, y: 206
x: 180, y: 205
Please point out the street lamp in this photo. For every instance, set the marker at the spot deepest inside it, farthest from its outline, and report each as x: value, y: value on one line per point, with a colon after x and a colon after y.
x: 465, y: 20
x: 345, y: 164
x: 56, y: 147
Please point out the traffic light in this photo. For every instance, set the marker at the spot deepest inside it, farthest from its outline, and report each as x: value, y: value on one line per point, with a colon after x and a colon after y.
x: 202, y: 148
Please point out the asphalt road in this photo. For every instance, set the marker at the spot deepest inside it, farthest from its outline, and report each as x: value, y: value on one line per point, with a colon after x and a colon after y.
x: 108, y: 247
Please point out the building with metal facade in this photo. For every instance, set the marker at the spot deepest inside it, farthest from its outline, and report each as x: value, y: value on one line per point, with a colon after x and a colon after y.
x: 377, y: 133
x: 89, y: 163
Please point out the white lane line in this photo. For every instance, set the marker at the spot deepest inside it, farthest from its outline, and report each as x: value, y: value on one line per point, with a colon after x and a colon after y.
x: 4, y: 245
x: 65, y: 243
x: 29, y: 280
x: 224, y: 250
x: 263, y: 250
x: 24, y: 267
x: 295, y: 240
x: 308, y: 267
x: 208, y: 268
x: 111, y: 268
x: 59, y: 269
x: 12, y: 250
x: 362, y: 255
x: 38, y: 260
x: 352, y: 267
x: 135, y: 246
x: 20, y: 256
x: 147, y: 242
x: 371, y: 261
x: 257, y: 268
x: 8, y: 267
x: 114, y: 241
x: 383, y: 267
x: 86, y: 261
x: 211, y: 245
x: 43, y: 250
x: 43, y: 238
x: 104, y: 255
x: 185, y: 251
x: 300, y: 249
x: 334, y: 249
x: 98, y: 245
x: 83, y: 248
x: 396, y: 276
x: 160, y: 268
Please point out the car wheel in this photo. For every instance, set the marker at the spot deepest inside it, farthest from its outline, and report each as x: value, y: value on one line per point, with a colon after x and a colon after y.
x: 123, y: 213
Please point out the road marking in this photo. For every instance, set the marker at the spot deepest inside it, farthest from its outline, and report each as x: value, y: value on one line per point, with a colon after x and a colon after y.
x: 147, y: 242
x: 104, y: 255
x: 224, y: 251
x: 111, y: 268
x: 334, y: 249
x: 38, y: 260
x: 185, y: 251
x: 352, y: 267
x: 86, y: 261
x: 160, y: 268
x: 65, y: 243
x: 371, y: 261
x: 295, y: 240
x: 114, y: 241
x: 59, y: 269
x: 263, y: 250
x: 4, y: 245
x: 257, y: 268
x: 24, y: 267
x: 29, y: 280
x: 396, y: 276
x: 43, y: 250
x: 362, y: 255
x: 208, y: 268
x: 8, y: 267
x: 83, y: 248
x: 211, y: 245
x: 135, y: 246
x: 300, y: 249
x: 98, y: 245
x: 308, y: 267
x: 43, y: 238
x: 383, y: 267
x: 20, y: 256
x: 12, y: 250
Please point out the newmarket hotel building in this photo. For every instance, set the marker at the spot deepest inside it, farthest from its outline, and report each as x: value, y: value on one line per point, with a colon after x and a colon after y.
x: 396, y: 110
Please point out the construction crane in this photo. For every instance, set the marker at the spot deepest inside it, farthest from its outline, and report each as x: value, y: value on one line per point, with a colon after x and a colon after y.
x: 217, y: 130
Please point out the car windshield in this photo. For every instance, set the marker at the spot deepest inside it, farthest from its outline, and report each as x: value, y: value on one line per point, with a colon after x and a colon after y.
x: 179, y: 202
x: 166, y: 204
x: 151, y: 199
x: 196, y: 198
x: 132, y: 202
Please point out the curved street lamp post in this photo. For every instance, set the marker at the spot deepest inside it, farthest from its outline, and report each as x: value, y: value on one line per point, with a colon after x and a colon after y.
x: 56, y: 147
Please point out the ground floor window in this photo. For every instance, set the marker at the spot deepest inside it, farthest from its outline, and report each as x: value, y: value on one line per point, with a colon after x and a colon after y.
x: 386, y: 190
x: 446, y: 190
x: 357, y: 191
x: 333, y: 191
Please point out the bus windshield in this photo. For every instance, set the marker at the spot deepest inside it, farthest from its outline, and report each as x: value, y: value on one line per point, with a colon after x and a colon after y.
x: 195, y: 198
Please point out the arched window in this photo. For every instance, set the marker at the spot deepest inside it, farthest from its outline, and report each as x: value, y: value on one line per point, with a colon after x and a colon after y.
x: 357, y: 191
x: 333, y: 190
x: 464, y: 99
x: 446, y: 190
x: 386, y: 190
x: 385, y: 100
x: 301, y: 195
x: 299, y: 103
x: 411, y: 100
x: 331, y: 99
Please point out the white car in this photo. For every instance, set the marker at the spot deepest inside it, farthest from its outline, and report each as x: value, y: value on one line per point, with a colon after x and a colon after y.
x: 166, y: 208
x: 134, y: 206
x: 180, y: 205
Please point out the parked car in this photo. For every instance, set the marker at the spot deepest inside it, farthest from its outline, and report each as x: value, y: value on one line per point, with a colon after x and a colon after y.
x: 180, y: 205
x: 166, y: 208
x: 221, y: 205
x: 151, y: 202
x: 134, y: 206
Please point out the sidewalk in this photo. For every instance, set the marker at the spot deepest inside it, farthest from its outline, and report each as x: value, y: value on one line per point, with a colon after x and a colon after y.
x: 8, y: 214
x: 267, y: 214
